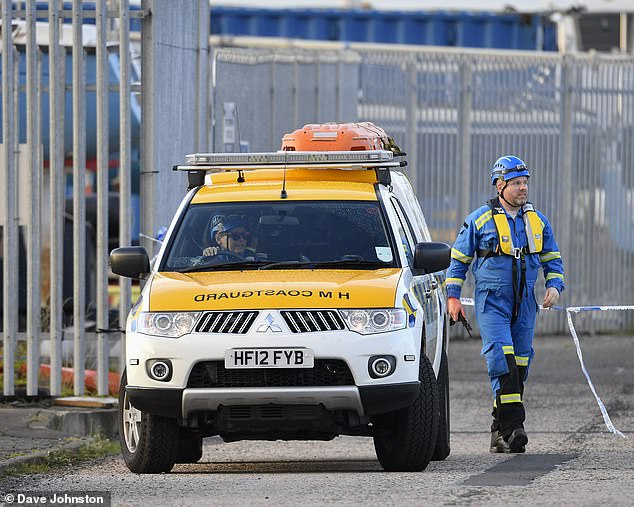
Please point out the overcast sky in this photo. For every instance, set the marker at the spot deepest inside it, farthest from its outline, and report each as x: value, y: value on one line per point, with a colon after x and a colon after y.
x: 462, y: 5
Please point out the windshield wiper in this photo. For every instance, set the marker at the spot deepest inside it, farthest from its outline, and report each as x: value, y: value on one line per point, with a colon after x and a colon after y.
x: 271, y: 265
x: 213, y: 266
x: 351, y: 263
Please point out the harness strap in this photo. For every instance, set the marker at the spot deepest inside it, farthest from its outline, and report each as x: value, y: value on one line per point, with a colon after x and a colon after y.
x: 505, y: 247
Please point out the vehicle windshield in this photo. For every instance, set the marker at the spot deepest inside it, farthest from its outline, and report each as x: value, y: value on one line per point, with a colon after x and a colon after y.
x: 287, y: 235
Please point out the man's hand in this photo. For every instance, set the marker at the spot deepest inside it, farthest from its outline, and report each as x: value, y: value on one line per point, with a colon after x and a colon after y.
x: 455, y: 309
x: 210, y: 251
x: 551, y: 297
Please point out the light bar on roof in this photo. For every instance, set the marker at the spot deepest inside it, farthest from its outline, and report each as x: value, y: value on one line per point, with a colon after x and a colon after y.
x: 281, y: 158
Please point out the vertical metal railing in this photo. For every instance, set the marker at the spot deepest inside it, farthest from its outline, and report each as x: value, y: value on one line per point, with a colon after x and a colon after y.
x: 45, y: 100
x: 56, y: 95
x: 34, y: 182
x: 101, y: 22
x: 124, y: 162
x: 9, y: 227
x: 79, y: 203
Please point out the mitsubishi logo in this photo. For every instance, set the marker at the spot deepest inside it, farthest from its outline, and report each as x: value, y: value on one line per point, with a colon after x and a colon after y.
x: 269, y: 324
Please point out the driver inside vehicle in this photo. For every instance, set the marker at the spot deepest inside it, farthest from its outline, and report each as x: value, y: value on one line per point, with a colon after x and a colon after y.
x: 230, y: 235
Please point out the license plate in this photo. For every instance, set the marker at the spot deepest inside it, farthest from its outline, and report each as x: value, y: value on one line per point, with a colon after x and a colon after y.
x: 269, y: 358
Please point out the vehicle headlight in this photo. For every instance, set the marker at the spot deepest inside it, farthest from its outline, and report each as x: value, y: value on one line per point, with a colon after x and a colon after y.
x: 168, y: 324
x: 374, y: 321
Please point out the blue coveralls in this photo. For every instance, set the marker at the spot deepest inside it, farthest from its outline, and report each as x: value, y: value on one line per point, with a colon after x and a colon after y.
x: 507, y: 340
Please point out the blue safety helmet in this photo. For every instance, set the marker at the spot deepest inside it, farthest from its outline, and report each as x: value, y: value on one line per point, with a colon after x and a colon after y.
x: 507, y: 168
x: 226, y: 224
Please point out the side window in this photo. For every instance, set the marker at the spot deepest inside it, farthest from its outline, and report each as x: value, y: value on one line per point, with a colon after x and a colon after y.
x: 412, y: 232
x: 405, y: 232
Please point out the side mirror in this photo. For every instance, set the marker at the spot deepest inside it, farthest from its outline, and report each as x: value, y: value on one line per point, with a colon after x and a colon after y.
x: 130, y: 261
x: 431, y: 257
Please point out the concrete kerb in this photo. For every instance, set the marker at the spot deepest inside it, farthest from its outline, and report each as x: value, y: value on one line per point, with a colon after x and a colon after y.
x: 36, y: 457
x: 86, y: 422
x: 32, y: 434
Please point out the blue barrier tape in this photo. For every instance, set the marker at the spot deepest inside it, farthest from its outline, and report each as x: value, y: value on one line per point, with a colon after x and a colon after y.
x: 569, y: 311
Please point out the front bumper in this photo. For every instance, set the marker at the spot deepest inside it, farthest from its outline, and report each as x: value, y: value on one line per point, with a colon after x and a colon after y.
x: 365, y: 400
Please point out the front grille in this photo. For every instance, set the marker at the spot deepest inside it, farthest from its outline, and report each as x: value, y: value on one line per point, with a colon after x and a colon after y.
x: 226, y: 322
x: 326, y: 372
x: 312, y: 320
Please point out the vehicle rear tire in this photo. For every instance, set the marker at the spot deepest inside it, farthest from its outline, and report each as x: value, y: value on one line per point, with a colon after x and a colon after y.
x: 148, y: 442
x: 190, y: 447
x: 443, y: 448
x: 405, y: 439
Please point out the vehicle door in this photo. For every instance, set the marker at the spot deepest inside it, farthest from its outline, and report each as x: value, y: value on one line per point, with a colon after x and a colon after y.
x: 422, y: 287
x: 428, y: 288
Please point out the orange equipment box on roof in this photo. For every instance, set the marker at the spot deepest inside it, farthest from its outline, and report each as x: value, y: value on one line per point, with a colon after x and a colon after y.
x: 338, y: 137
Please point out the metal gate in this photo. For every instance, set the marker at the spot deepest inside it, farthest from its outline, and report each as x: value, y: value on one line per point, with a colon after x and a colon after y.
x: 570, y: 117
x: 60, y: 61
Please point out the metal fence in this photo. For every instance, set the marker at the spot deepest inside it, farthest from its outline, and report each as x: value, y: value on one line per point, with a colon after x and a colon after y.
x: 570, y: 117
x: 47, y: 71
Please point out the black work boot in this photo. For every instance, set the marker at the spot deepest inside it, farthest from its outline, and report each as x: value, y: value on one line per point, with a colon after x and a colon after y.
x: 498, y: 445
x: 518, y: 440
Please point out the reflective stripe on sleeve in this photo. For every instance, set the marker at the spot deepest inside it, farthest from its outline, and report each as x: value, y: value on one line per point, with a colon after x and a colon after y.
x: 459, y: 256
x: 455, y: 281
x: 549, y: 256
x: 510, y: 398
x: 550, y: 276
x: 483, y: 219
x: 508, y: 349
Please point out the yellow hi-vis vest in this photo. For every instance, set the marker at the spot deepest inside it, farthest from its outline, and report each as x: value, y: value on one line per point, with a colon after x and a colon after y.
x: 532, y: 224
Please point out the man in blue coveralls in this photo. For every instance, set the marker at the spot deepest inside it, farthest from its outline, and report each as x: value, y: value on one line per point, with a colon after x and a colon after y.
x: 506, y: 242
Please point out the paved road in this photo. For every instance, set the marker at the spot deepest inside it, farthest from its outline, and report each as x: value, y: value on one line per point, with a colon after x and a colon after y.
x: 572, y: 459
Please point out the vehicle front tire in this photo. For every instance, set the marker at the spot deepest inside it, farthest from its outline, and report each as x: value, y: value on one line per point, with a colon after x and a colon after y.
x: 442, y: 448
x: 404, y: 440
x: 148, y: 442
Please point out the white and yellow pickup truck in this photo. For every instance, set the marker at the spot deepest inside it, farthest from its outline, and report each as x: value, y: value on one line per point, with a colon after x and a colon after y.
x: 297, y: 295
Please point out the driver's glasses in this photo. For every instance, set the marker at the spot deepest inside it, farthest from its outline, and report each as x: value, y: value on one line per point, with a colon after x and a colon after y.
x: 239, y: 235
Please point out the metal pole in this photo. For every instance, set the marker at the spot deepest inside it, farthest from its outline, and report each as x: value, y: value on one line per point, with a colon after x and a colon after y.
x: 124, y: 164
x: 148, y: 171
x: 102, y: 198
x: 202, y: 75
x: 56, y: 170
x: 79, y: 204
x: 565, y: 152
x: 411, y: 134
x: 464, y: 136
x: 34, y: 161
x: 10, y: 295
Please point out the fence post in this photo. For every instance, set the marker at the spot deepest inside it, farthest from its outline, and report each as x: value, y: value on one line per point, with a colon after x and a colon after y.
x: 170, y: 50
x: 565, y: 152
x: 202, y: 80
x: 103, y: 323
x: 411, y: 132
x: 34, y: 244
x: 79, y: 203
x: 465, y: 109
x: 125, y: 179
x: 9, y: 236
x: 56, y: 175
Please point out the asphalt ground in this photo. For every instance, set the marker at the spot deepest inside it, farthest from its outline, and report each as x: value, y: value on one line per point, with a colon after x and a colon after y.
x: 571, y: 458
